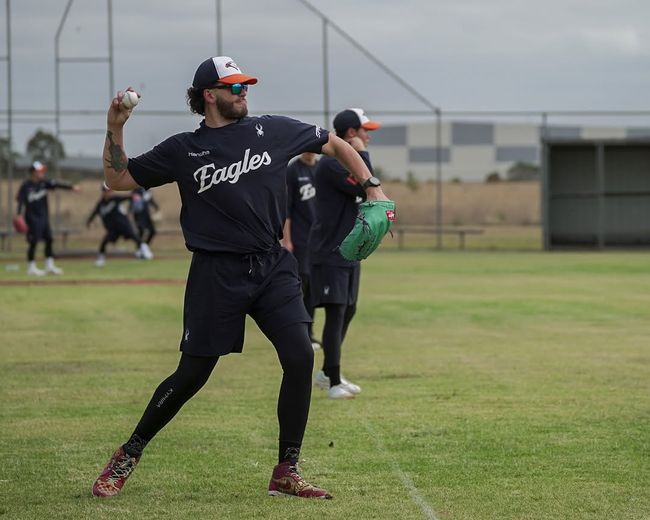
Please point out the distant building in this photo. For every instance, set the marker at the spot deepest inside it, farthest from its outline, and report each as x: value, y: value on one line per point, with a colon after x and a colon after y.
x: 471, y: 150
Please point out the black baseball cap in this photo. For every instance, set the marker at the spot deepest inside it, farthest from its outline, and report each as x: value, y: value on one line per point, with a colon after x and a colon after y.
x: 220, y: 69
x: 353, y: 118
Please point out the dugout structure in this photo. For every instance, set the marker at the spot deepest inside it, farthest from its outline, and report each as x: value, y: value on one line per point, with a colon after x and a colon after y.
x: 596, y: 193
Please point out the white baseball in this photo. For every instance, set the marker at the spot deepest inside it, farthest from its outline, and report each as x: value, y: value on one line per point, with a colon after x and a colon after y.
x: 130, y: 99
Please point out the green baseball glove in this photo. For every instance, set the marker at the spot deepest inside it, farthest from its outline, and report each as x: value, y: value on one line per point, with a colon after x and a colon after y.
x: 373, y: 221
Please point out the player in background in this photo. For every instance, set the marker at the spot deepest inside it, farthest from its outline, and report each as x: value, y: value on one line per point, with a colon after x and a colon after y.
x: 231, y: 176
x: 111, y: 209
x: 300, y: 216
x: 32, y: 200
x: 141, y: 202
x: 335, y: 280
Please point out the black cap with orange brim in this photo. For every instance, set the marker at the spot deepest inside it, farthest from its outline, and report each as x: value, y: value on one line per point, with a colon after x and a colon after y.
x: 353, y: 118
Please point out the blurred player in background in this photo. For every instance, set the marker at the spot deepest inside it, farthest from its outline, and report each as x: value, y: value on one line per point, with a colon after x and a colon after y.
x: 334, y: 280
x: 110, y: 208
x: 141, y: 202
x: 231, y: 175
x: 32, y: 200
x: 300, y: 216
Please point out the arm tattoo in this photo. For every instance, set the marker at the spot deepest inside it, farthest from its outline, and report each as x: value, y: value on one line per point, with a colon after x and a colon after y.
x: 117, y: 158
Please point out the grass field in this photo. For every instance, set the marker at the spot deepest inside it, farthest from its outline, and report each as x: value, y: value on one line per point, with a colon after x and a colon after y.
x: 495, y: 385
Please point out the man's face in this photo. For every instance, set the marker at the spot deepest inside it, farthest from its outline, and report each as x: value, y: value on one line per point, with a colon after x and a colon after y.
x: 361, y: 133
x: 364, y: 135
x: 231, y: 106
x: 38, y: 175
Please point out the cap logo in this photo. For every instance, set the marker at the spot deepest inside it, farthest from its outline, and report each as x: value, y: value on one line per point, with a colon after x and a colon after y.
x: 232, y: 65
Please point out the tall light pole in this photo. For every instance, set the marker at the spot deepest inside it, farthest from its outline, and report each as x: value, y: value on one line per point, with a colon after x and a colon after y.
x: 10, y: 162
x: 218, y: 26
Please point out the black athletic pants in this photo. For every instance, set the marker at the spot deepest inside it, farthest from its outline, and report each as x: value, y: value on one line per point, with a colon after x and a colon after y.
x: 297, y: 359
x: 113, y: 234
x: 31, y: 249
x: 146, y: 228
x: 337, y: 320
x: 306, y: 299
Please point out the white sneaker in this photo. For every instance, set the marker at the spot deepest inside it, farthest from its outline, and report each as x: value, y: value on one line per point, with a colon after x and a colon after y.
x: 32, y: 270
x: 339, y: 392
x: 50, y: 268
x: 101, y: 261
x: 145, y: 252
x: 323, y: 382
x: 350, y: 386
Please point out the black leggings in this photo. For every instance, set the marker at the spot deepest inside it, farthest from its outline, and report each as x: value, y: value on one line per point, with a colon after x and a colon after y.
x: 146, y: 232
x: 306, y: 299
x: 337, y: 320
x: 31, y: 250
x: 296, y: 356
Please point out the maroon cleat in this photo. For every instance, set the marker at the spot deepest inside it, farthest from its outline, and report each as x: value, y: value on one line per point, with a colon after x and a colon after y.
x: 286, y: 481
x: 117, y: 470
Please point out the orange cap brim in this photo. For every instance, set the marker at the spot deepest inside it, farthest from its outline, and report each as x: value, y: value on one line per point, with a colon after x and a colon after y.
x: 238, y: 78
x: 371, y: 125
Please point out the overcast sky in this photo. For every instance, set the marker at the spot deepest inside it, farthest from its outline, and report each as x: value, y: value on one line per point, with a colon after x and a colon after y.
x: 458, y: 54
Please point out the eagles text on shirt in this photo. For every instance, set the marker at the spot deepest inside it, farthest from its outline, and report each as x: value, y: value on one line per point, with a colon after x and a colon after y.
x: 230, y: 173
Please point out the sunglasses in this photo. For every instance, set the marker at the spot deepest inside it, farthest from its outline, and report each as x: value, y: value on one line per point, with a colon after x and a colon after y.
x: 235, y: 88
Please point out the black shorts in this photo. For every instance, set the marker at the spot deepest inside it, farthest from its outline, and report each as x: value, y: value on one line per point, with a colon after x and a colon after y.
x: 120, y: 229
x: 223, y: 288
x: 39, y: 229
x: 330, y: 284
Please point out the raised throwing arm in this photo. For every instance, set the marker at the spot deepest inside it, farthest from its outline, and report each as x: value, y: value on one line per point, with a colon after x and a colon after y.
x: 115, y: 160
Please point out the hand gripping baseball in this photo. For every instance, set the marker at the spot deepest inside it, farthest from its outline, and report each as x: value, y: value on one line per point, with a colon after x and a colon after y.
x: 121, y: 107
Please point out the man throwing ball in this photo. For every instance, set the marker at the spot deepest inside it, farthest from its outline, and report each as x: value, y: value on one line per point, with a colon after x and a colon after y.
x: 231, y: 175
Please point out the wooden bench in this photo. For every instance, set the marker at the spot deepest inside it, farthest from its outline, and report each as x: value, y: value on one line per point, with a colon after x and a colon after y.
x: 165, y: 231
x: 64, y: 233
x: 461, y: 232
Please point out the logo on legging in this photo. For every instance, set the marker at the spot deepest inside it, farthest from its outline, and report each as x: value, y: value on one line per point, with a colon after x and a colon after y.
x: 208, y: 175
x: 326, y: 290
x: 164, y: 397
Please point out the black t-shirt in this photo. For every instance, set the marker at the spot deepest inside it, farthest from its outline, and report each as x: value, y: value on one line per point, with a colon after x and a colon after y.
x: 112, y: 212
x: 33, y: 197
x: 232, y: 180
x: 301, y: 205
x: 337, y: 193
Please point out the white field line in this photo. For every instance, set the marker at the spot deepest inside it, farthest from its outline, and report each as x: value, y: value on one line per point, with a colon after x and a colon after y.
x: 416, y: 496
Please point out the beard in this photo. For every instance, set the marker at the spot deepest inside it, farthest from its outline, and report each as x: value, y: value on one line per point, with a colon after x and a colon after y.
x: 228, y: 109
